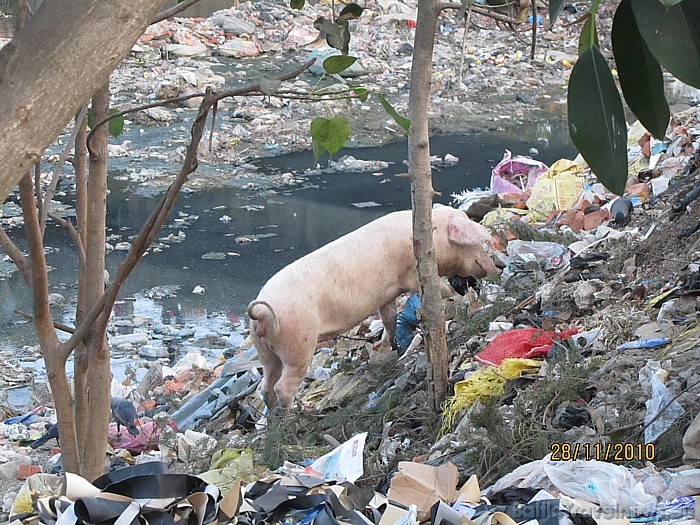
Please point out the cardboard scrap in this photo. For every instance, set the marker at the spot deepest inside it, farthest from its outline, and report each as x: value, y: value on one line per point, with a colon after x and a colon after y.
x: 423, y: 485
x: 470, y: 492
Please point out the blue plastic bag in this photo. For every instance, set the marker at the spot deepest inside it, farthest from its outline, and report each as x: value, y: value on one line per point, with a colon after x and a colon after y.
x: 406, y: 322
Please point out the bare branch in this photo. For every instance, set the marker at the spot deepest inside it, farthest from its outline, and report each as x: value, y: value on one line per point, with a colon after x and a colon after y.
x: 179, y: 8
x: 483, y: 11
x: 252, y: 89
x: 74, y: 234
x: 37, y: 188
x: 59, y: 326
x: 39, y: 278
x: 58, y: 171
x: 15, y: 254
x: 134, y: 110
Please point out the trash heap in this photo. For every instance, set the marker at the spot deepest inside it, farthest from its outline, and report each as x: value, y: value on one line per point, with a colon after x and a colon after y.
x: 574, y: 385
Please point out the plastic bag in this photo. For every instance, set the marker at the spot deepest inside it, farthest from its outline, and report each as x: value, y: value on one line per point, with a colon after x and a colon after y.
x: 660, y: 399
x: 524, y: 343
x: 515, y: 175
x: 546, y: 255
x: 406, y: 322
x: 558, y: 189
x: 611, y: 486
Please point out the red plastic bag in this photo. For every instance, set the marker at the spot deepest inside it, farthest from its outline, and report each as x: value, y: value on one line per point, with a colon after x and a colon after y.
x: 524, y: 343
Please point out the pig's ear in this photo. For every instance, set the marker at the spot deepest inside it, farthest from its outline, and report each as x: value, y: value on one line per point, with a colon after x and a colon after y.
x: 461, y: 231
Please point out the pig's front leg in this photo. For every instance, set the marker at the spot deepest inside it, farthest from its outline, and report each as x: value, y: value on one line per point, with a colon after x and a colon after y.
x: 388, y: 315
x: 446, y: 290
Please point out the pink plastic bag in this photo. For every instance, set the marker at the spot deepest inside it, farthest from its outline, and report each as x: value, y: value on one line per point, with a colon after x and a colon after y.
x: 514, y: 175
x: 147, y: 438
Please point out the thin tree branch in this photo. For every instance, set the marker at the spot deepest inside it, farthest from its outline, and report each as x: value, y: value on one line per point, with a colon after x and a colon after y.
x: 40, y: 283
x: 534, y: 29
x: 74, y: 234
x: 252, y: 89
x: 15, y: 254
x: 59, y: 326
x: 158, y: 216
x: 167, y: 13
x: 37, y: 189
x: 58, y: 171
x: 134, y: 110
x: 482, y: 11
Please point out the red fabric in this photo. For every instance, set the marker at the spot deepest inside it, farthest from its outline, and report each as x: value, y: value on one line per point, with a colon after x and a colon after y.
x: 524, y: 343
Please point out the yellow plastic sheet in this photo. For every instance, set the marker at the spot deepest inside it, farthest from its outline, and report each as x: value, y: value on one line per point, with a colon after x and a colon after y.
x: 558, y: 188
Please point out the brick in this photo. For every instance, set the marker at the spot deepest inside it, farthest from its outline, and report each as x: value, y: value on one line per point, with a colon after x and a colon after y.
x: 24, y: 471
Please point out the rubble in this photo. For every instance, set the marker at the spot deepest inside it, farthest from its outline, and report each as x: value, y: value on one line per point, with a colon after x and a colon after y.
x: 574, y: 382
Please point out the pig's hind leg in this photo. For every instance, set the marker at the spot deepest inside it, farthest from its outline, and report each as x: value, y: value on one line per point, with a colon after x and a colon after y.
x: 272, y: 370
x: 295, y: 362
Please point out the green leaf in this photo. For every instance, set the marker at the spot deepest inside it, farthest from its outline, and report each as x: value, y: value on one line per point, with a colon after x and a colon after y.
x: 673, y: 36
x: 554, y: 8
x: 669, y: 3
x: 361, y: 93
x: 589, y: 35
x: 594, y: 6
x: 297, y: 4
x: 401, y: 121
x: 318, y: 150
x: 597, y: 120
x: 116, y: 125
x: 337, y: 63
x: 640, y: 74
x: 330, y: 134
x: 350, y: 12
x: 337, y: 33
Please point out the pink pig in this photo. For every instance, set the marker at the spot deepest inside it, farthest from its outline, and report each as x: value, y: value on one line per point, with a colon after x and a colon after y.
x: 334, y: 288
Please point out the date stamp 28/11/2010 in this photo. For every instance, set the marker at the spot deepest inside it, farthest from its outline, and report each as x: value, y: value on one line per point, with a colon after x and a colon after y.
x: 612, y: 452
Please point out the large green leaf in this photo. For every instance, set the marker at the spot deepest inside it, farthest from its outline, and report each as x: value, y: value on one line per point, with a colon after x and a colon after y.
x: 673, y: 36
x: 640, y: 75
x: 554, y: 8
x: 401, y: 121
x: 338, y: 63
x: 329, y: 135
x: 597, y: 120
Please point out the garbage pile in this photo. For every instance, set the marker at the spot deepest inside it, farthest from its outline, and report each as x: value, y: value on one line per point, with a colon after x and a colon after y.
x: 255, y: 41
x: 574, y: 385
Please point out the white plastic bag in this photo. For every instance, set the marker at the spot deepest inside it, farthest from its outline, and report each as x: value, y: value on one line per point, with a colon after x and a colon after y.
x: 610, y: 486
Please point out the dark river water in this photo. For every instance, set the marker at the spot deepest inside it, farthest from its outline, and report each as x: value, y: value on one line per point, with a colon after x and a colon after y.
x: 289, y: 223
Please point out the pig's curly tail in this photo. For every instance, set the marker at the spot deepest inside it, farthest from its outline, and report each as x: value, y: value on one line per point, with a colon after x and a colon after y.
x: 258, y: 317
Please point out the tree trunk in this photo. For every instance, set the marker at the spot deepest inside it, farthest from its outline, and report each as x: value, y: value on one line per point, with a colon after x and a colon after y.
x: 80, y: 363
x: 96, y: 411
x: 431, y: 311
x: 53, y: 65
x: 43, y: 326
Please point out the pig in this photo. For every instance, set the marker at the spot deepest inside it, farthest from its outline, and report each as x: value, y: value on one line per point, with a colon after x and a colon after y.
x: 334, y: 288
